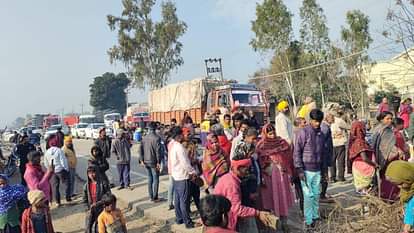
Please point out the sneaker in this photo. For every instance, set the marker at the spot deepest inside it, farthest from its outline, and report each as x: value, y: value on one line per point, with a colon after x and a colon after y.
x: 156, y: 200
x: 129, y: 187
x: 120, y: 187
x: 68, y: 199
x: 309, y: 228
x: 332, y: 180
x: 171, y: 207
x: 189, y: 225
x: 111, y: 185
x: 179, y: 222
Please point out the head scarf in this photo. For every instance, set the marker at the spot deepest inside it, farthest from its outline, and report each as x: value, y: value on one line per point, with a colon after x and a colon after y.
x: 10, y: 194
x: 186, y: 131
x: 240, y: 163
x: 53, y: 141
x: 214, y: 164
x: 282, y: 105
x: 68, y: 139
x: 274, y: 150
x: 402, y: 172
x: 35, y: 196
x: 357, y: 142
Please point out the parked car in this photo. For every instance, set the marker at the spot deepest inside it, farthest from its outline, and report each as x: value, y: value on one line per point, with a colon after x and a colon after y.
x: 92, y: 131
x: 78, y: 130
x: 53, y: 129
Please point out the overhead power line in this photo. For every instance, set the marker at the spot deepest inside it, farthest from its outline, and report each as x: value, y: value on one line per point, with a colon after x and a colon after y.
x: 321, y: 64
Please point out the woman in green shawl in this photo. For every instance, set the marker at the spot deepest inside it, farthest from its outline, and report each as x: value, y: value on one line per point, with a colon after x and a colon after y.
x: 401, y: 173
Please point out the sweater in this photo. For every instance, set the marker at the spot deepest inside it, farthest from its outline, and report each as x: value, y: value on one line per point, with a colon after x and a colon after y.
x: 309, y: 150
x: 27, y: 224
x: 229, y: 186
x: 121, y: 150
x: 70, y: 156
x: 37, y: 179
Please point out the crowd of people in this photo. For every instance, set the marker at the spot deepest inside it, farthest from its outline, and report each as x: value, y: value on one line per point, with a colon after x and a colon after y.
x: 252, y: 172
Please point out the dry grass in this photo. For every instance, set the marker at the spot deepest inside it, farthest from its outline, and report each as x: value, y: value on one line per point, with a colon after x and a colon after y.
x: 370, y: 215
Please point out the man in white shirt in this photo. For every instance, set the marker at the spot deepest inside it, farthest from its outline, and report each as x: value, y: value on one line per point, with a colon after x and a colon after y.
x: 182, y: 172
x: 339, y: 138
x: 244, y: 125
x: 284, y: 127
x: 55, y: 154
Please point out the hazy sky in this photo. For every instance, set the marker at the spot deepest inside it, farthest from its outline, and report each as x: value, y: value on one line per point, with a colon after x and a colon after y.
x: 50, y: 50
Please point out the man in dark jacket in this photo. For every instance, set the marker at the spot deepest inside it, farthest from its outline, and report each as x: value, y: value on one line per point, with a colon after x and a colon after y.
x: 327, y: 159
x: 151, y: 156
x: 93, y: 191
x: 121, y: 150
x: 104, y: 143
x: 21, y: 150
x: 308, y: 155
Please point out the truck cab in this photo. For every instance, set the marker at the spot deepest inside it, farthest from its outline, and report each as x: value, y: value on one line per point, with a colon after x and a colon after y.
x: 232, y: 97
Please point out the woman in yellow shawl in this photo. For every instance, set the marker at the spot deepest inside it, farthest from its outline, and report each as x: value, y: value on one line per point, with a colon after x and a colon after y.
x: 401, y: 173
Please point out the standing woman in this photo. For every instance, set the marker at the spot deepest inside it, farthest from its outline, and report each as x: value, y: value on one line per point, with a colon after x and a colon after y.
x: 362, y: 158
x: 383, y: 143
x: 214, y: 163
x: 9, y: 211
x: 405, y: 111
x: 276, y: 161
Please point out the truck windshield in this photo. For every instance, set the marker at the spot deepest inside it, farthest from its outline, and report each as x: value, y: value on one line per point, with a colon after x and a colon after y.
x: 247, y: 97
x: 112, y: 117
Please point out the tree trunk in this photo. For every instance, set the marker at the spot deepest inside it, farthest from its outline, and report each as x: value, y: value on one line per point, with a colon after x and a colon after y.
x: 289, y: 81
x: 321, y: 88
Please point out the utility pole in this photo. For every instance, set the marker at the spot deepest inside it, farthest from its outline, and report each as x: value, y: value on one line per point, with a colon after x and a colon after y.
x: 211, y: 67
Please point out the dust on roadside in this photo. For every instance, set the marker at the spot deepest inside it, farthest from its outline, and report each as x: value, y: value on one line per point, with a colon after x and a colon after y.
x: 70, y: 218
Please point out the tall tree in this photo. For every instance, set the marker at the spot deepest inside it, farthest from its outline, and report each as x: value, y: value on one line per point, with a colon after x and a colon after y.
x: 273, y: 32
x: 315, y: 39
x: 107, y: 92
x: 357, y: 39
x: 150, y: 50
x: 401, y: 25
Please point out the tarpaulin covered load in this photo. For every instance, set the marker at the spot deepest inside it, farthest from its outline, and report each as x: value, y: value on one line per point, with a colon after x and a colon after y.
x: 180, y: 96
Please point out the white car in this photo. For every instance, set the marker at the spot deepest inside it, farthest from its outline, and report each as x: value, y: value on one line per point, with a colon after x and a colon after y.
x: 92, y: 131
x: 53, y: 129
x: 78, y: 130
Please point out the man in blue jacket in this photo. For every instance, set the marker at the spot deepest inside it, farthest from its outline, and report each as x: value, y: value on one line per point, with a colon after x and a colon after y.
x: 309, y: 153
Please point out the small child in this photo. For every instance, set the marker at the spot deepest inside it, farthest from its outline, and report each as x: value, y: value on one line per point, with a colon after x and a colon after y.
x: 37, y: 218
x: 111, y: 219
x: 401, y: 173
x: 93, y: 191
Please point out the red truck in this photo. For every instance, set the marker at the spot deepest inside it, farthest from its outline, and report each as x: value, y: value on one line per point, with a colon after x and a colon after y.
x: 50, y: 120
x: 71, y: 120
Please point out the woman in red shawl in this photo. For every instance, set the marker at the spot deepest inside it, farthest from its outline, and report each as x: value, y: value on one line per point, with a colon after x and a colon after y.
x: 215, y: 162
x: 276, y: 161
x: 362, y: 157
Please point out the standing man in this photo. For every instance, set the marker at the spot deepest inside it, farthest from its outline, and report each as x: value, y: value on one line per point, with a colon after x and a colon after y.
x: 308, y: 154
x: 121, y: 150
x: 327, y: 155
x: 284, y: 128
x: 150, y: 157
x: 339, y: 138
x: 54, y: 155
x: 60, y: 137
x: 182, y: 172
x: 244, y: 125
x: 72, y: 162
x: 21, y: 150
x: 395, y: 102
x: 104, y: 143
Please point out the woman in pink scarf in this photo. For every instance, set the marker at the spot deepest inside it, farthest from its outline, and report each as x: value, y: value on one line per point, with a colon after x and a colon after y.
x: 276, y: 160
x: 405, y: 111
x: 214, y: 163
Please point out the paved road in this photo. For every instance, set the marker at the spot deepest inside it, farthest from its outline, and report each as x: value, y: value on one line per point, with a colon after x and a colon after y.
x: 83, y: 147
